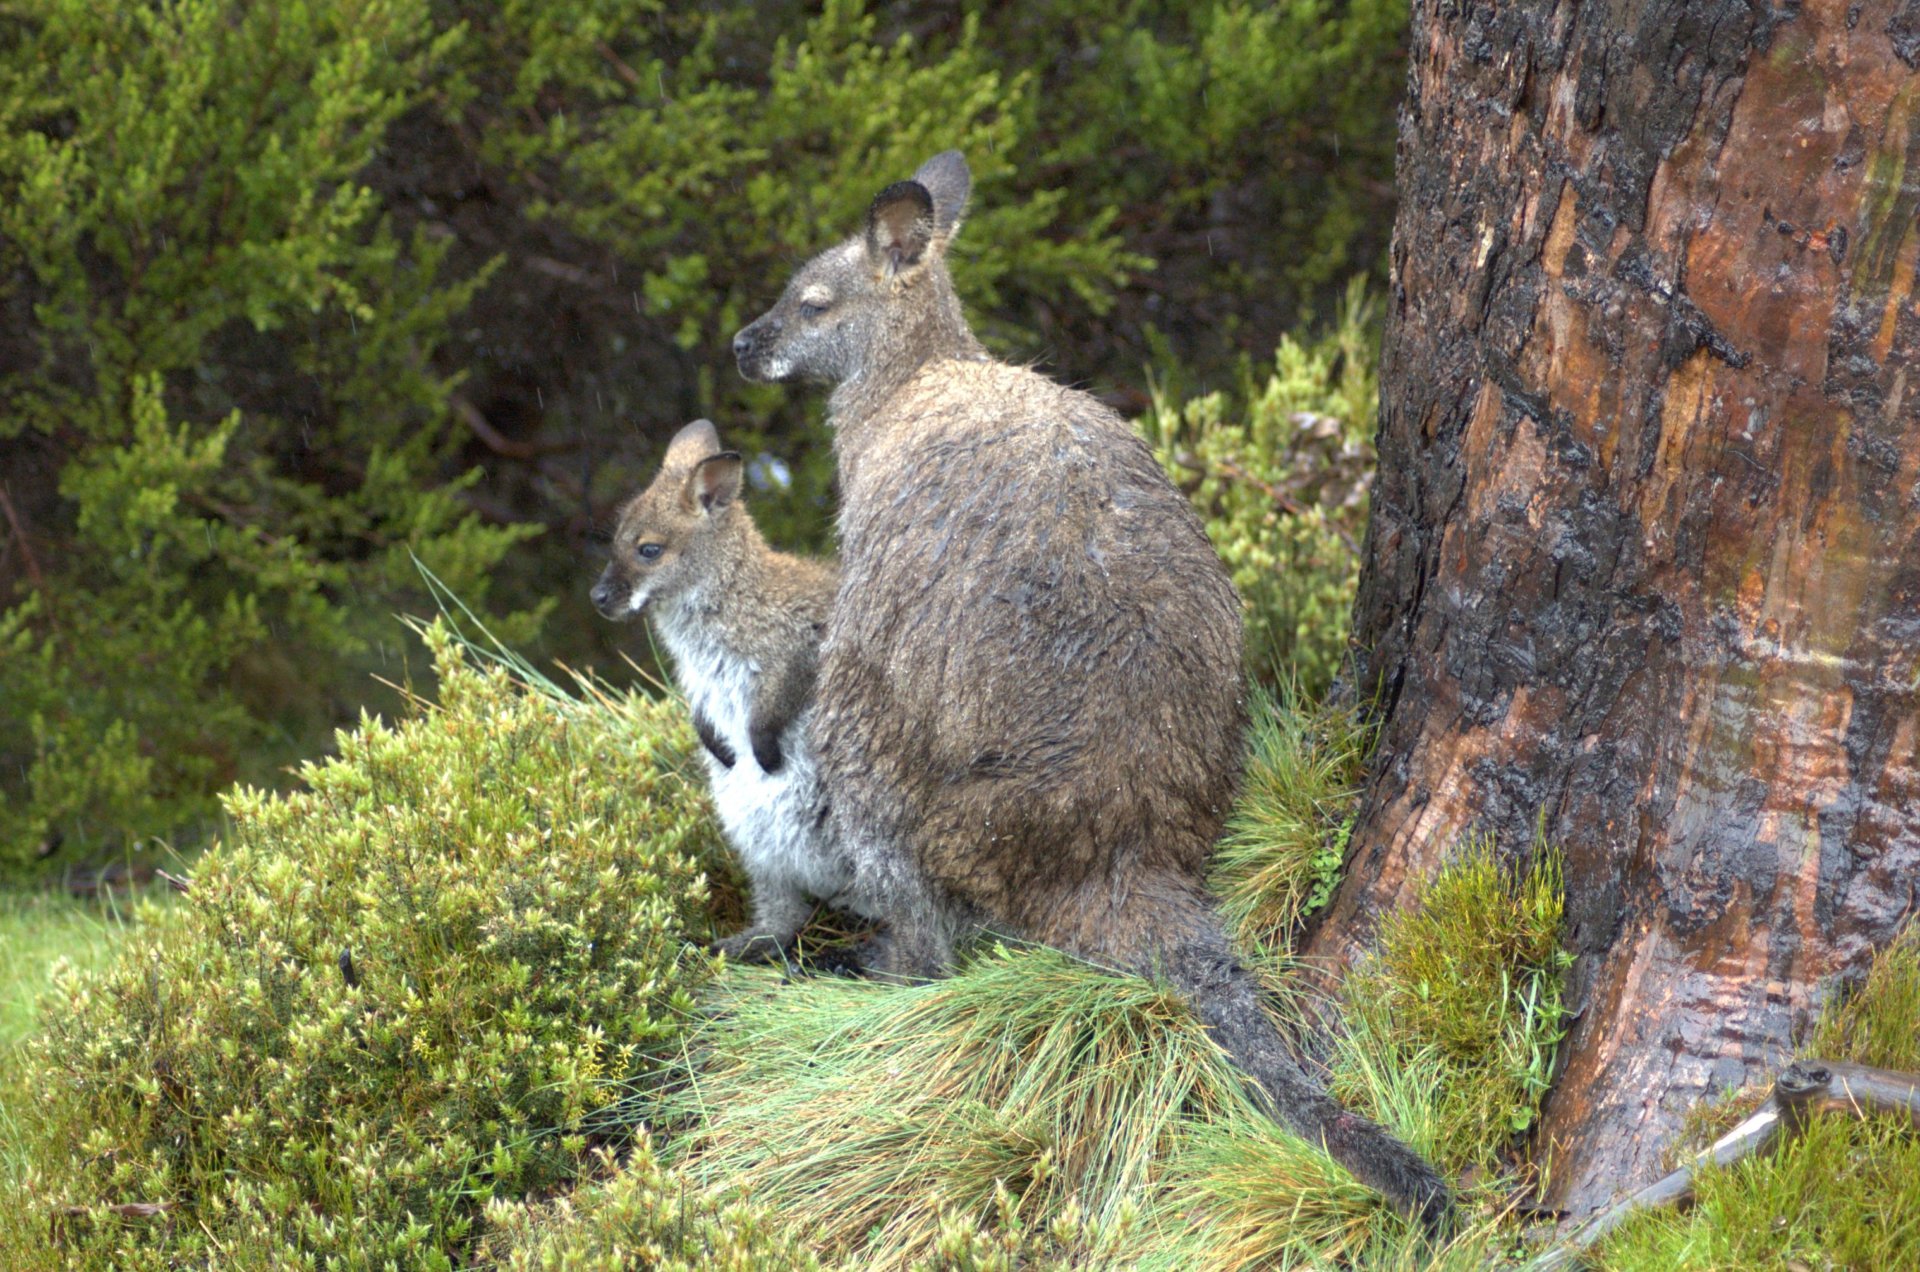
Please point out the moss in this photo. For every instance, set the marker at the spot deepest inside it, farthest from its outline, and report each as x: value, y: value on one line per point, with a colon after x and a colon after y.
x: 1465, y: 988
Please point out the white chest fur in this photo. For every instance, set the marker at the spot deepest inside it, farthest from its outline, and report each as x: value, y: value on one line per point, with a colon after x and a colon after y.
x: 775, y: 822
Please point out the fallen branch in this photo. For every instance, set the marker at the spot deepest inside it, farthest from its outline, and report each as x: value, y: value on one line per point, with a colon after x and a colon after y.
x: 1806, y: 1088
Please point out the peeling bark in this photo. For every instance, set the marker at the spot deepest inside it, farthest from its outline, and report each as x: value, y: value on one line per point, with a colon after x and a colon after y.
x: 1645, y: 549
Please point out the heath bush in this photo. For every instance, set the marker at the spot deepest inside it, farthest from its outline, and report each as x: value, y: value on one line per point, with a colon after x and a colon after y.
x: 1280, y: 473
x: 388, y: 997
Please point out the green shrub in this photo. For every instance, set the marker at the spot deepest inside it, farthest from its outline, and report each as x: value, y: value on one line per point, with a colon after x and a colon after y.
x: 641, y: 1216
x: 1280, y: 476
x: 388, y: 997
x: 1462, y: 994
x: 225, y: 437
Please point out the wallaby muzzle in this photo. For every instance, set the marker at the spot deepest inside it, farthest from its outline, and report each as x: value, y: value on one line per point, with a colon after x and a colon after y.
x: 751, y: 344
x: 603, y: 596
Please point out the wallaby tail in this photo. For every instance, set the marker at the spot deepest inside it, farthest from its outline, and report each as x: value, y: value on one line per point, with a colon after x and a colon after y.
x: 1196, y: 959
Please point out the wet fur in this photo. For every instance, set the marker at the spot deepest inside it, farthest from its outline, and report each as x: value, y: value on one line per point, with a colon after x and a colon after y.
x: 1030, y: 701
x: 742, y: 624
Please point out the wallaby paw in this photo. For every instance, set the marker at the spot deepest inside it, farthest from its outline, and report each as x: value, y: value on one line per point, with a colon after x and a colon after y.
x: 880, y: 958
x: 855, y: 960
x: 752, y: 947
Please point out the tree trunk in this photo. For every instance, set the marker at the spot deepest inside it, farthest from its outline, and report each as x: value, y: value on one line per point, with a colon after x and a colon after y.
x: 1645, y: 551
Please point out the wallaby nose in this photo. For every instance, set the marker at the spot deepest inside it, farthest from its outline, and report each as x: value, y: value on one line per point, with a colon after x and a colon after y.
x: 743, y: 341
x: 602, y: 594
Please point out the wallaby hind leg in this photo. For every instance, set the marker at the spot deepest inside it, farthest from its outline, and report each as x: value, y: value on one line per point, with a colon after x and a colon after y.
x: 917, y: 940
x: 780, y: 910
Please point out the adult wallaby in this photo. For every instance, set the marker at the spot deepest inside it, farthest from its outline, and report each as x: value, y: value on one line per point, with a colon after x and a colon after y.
x: 742, y: 624
x: 1030, y: 701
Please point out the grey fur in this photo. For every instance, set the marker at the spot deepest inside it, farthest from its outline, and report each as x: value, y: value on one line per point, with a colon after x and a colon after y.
x: 1029, y: 709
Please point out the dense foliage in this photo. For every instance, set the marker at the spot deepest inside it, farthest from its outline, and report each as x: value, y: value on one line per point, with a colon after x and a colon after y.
x: 292, y: 293
x: 405, y: 989
x: 223, y: 432
x: 1280, y: 472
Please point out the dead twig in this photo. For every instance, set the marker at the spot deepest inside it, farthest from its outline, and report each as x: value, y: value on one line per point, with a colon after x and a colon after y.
x: 1806, y: 1088
x: 499, y: 443
x: 20, y: 537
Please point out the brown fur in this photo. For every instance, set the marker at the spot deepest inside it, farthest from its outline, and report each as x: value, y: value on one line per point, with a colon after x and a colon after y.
x: 1030, y: 705
x: 743, y: 624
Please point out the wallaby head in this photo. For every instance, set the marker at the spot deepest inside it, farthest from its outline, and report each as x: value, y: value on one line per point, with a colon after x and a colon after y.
x: 673, y: 534
x: 879, y: 301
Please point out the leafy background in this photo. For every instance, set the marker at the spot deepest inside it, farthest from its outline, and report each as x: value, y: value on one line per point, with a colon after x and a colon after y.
x: 294, y: 294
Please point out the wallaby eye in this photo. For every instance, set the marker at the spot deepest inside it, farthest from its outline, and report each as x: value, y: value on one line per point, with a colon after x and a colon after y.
x: 810, y: 310
x: 650, y: 551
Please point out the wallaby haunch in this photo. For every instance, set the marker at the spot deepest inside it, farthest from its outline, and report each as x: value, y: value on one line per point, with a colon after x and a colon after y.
x: 743, y: 625
x: 1030, y: 700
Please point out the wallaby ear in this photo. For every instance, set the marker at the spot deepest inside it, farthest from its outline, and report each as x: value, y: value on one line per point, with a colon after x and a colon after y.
x: 946, y: 178
x: 900, y: 226
x: 694, y: 443
x: 715, y: 482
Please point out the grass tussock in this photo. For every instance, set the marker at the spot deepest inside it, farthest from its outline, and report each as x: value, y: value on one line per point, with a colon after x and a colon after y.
x: 1465, y: 988
x: 1281, y: 856
x: 870, y: 1115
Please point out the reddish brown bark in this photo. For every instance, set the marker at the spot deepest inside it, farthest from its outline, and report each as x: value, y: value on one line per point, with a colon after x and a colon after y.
x: 1645, y: 552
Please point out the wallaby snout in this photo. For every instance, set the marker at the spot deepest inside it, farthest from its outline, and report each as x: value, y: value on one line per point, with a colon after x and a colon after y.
x: 751, y: 344
x: 603, y: 595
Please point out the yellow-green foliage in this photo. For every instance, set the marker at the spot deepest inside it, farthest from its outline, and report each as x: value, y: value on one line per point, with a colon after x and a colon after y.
x: 1286, y: 840
x: 1467, y: 984
x: 1843, y: 1194
x: 1280, y: 476
x: 642, y: 1216
x: 388, y: 997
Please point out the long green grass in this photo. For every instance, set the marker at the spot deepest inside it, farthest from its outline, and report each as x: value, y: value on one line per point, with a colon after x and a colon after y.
x: 1286, y: 841
x: 37, y: 930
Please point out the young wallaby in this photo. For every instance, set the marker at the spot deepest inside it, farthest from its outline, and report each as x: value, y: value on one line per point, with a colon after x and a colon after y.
x: 742, y: 624
x: 1030, y: 699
